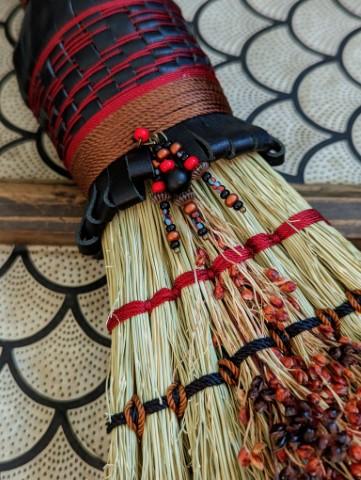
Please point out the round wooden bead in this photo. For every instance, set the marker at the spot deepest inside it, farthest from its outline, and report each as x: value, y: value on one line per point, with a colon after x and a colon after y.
x: 163, y: 153
x: 175, y: 147
x: 238, y: 205
x: 158, y: 187
x: 167, y: 165
x: 177, y: 180
x: 231, y: 200
x: 141, y: 134
x: 172, y: 236
x: 175, y: 245
x: 191, y: 163
x: 190, y: 208
x: 225, y: 193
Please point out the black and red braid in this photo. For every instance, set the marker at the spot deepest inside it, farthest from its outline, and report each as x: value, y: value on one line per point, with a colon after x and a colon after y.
x: 93, y: 71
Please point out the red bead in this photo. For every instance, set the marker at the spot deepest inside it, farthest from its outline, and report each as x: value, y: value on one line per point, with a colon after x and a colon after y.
x: 141, y: 134
x: 158, y: 186
x: 191, y: 163
x: 166, y: 166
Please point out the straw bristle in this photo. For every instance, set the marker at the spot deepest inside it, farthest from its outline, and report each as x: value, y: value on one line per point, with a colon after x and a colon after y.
x: 181, y: 341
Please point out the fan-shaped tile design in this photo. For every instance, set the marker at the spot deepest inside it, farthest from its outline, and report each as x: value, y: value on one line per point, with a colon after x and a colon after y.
x: 352, y: 6
x: 277, y: 9
x: 53, y: 365
x: 351, y: 56
x: 85, y: 423
x: 323, y: 103
x: 14, y: 111
x: 280, y: 117
x: 278, y: 68
x: 243, y: 94
x: 23, y: 421
x: 225, y: 17
x: 56, y: 461
x: 66, y: 267
x: 333, y: 162
x: 22, y: 313
x: 94, y: 306
x: 70, y: 357
x: 322, y: 25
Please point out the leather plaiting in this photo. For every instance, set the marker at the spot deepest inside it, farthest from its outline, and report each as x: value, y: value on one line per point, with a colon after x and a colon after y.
x: 75, y: 58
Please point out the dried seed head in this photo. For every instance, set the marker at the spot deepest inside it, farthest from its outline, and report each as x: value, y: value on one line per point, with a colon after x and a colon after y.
x: 355, y: 469
x: 247, y: 293
x: 244, y: 457
x: 277, y: 302
x: 355, y: 453
x: 243, y: 415
x: 272, y: 274
x: 288, y: 287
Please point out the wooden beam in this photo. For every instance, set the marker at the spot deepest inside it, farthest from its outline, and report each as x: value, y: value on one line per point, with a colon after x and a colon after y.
x: 50, y: 213
x: 43, y: 214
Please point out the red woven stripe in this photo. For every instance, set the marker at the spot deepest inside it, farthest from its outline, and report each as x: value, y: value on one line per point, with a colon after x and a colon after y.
x: 253, y: 245
x: 107, y: 79
x: 105, y: 9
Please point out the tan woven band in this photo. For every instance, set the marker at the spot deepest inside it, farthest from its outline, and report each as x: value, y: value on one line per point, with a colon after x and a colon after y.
x: 156, y: 110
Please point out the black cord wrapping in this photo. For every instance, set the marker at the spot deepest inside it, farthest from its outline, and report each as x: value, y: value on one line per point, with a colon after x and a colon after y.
x: 215, y: 379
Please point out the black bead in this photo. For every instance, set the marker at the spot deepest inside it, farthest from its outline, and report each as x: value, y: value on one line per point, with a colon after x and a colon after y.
x: 164, y: 205
x: 238, y: 205
x: 206, y: 176
x: 225, y: 193
x: 175, y: 244
x: 167, y: 144
x: 182, y: 155
x: 171, y: 227
x: 177, y: 180
x: 203, y: 231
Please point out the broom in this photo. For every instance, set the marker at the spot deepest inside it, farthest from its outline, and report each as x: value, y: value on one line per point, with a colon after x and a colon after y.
x: 233, y: 304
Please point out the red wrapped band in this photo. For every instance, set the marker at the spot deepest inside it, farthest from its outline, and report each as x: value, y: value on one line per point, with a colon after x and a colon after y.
x: 254, y: 245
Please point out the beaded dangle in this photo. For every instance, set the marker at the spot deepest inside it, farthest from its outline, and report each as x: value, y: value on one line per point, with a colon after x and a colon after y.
x: 230, y: 199
x: 174, y: 169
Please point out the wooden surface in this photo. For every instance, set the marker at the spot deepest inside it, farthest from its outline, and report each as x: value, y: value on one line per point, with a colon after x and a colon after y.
x: 49, y: 214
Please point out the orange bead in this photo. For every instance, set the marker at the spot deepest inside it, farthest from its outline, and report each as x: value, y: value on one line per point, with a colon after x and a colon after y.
x: 172, y: 236
x: 175, y: 147
x: 155, y: 164
x: 190, y: 208
x: 163, y: 153
x: 231, y: 200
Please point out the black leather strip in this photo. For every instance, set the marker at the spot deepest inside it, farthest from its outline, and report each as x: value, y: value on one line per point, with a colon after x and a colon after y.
x: 121, y: 185
x: 96, y: 57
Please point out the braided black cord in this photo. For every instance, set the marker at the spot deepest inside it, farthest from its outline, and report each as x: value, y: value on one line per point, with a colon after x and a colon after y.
x: 214, y: 379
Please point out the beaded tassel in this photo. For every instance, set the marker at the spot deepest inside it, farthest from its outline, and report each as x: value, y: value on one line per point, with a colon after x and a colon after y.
x: 192, y: 211
x: 230, y: 199
x: 174, y: 169
x: 170, y: 227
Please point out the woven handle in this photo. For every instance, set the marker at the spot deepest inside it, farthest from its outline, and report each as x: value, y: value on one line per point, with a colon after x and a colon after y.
x: 94, y: 70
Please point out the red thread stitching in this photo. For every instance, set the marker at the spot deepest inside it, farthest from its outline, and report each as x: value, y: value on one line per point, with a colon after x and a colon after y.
x: 124, y: 97
x: 253, y: 245
x: 104, y: 10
